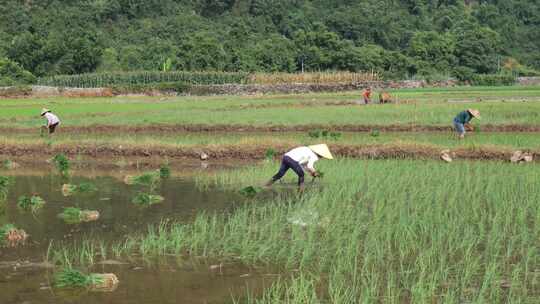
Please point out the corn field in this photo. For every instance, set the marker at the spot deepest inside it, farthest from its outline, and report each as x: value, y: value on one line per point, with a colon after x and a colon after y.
x: 100, y: 80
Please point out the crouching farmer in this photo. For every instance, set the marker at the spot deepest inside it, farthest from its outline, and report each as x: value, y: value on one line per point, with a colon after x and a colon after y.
x: 52, y: 121
x: 300, y: 158
x: 462, y: 120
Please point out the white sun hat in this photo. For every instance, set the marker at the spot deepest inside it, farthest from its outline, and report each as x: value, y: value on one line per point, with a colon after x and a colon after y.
x: 44, y: 110
x: 322, y: 150
x: 474, y: 113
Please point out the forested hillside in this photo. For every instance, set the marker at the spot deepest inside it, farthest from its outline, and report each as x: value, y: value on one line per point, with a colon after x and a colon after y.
x: 397, y: 38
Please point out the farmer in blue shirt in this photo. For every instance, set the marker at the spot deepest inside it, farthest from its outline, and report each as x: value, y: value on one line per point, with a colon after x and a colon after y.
x: 463, y: 119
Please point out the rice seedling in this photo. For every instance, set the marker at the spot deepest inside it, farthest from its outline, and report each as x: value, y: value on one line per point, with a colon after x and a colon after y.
x: 147, y: 199
x: 250, y: 191
x: 62, y: 164
x: 30, y: 204
x: 375, y: 133
x: 165, y: 171
x: 70, y: 189
x: 73, y: 215
x: 10, y: 236
x: 270, y: 154
x: 335, y: 135
x: 375, y: 229
x: 4, y: 187
x: 325, y: 134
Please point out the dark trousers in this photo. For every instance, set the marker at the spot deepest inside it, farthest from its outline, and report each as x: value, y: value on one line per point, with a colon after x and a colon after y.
x: 289, y: 163
x: 53, y: 127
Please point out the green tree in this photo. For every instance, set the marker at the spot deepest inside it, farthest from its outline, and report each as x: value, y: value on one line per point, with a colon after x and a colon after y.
x: 433, y: 52
x: 11, y: 73
x: 477, y: 47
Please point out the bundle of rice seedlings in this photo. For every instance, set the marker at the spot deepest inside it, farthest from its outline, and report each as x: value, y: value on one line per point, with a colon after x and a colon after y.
x: 33, y: 203
x: 104, y: 282
x: 10, y: 236
x: 70, y: 189
x: 250, y: 191
x: 10, y: 165
x: 62, y: 163
x: 146, y: 199
x: 86, y: 188
x: 72, y: 278
x: 73, y: 215
x: 4, y: 185
x: 145, y: 179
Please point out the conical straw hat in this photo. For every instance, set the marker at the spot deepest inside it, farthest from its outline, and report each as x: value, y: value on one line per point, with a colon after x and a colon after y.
x: 322, y: 150
x: 474, y: 113
x: 44, y: 110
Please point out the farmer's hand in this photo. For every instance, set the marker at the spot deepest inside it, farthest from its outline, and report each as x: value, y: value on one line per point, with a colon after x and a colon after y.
x: 469, y: 127
x: 301, y: 188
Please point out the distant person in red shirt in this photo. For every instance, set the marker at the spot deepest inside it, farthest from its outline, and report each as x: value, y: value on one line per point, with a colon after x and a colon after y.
x: 367, y: 95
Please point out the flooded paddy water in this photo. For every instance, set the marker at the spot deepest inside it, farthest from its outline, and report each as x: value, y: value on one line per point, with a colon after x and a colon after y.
x: 25, y: 274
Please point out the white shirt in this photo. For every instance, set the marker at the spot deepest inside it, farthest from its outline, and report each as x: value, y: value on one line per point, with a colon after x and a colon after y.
x: 304, y: 156
x: 51, y: 118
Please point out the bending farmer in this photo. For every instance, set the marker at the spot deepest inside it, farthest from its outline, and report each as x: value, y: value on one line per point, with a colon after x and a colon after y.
x: 462, y: 120
x: 52, y: 120
x: 301, y: 157
x: 367, y: 95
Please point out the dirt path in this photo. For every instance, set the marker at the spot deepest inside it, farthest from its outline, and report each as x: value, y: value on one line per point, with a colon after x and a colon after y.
x: 389, y: 151
x: 163, y: 128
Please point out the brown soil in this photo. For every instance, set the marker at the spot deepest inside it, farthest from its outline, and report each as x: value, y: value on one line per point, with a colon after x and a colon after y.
x: 389, y: 151
x: 164, y: 128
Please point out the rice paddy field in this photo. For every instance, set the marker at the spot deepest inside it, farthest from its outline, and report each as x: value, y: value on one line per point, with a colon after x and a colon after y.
x: 389, y: 222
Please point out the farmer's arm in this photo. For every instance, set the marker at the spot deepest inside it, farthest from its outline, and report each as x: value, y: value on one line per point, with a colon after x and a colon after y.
x: 310, y: 167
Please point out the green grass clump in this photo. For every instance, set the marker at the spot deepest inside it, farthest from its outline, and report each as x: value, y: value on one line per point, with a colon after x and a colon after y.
x: 147, y: 199
x: 72, y: 278
x: 30, y: 204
